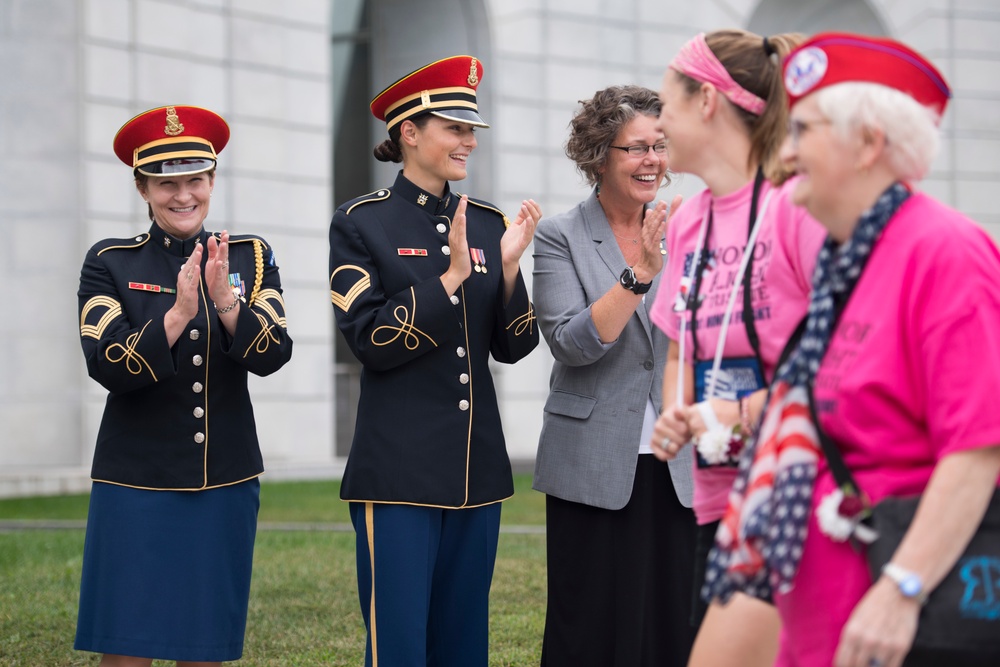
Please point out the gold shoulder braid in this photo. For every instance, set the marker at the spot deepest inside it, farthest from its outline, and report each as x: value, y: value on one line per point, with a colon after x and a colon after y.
x: 258, y: 255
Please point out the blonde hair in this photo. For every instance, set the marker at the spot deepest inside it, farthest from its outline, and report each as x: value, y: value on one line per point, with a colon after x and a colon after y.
x: 758, y: 70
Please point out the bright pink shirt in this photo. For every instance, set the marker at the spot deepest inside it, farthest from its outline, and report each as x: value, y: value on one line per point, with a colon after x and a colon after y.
x: 787, y: 245
x: 912, y: 374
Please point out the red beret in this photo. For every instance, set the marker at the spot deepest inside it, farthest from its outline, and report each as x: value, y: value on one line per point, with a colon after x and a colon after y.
x: 445, y: 88
x: 172, y: 140
x: 834, y: 57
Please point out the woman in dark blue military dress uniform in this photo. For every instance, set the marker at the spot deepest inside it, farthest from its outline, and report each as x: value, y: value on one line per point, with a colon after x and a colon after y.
x: 426, y: 286
x: 171, y: 322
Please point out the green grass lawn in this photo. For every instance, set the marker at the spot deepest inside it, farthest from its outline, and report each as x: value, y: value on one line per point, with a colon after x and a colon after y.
x: 303, y: 600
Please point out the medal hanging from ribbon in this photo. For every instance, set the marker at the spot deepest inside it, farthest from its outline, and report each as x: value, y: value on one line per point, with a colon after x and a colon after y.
x: 237, y: 285
x: 478, y: 259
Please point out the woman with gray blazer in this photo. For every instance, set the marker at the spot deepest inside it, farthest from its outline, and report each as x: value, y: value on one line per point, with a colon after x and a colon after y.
x: 620, y: 531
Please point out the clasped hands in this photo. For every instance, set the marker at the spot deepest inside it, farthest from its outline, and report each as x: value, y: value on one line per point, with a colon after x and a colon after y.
x: 514, y: 242
x: 216, y: 277
x: 679, y: 425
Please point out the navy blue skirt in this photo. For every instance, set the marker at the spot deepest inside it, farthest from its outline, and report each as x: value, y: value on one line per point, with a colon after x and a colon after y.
x: 166, y: 574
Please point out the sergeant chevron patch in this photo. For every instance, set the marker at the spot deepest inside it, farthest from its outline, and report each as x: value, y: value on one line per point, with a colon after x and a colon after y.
x: 348, y: 272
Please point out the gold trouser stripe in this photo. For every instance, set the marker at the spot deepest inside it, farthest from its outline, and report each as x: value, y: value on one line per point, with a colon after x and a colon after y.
x: 370, y: 530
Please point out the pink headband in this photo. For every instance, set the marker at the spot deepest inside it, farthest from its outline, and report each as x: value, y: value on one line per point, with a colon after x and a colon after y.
x: 697, y: 61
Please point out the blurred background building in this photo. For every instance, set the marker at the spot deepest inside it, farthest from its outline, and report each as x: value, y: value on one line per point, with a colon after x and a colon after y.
x: 294, y: 78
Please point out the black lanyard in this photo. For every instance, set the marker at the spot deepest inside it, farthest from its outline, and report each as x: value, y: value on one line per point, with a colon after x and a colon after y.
x: 694, y: 302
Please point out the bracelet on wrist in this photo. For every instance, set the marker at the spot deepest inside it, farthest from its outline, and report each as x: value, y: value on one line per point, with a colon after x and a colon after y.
x: 223, y: 311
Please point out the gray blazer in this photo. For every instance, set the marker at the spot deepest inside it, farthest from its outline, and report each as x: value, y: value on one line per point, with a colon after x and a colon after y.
x: 593, y: 417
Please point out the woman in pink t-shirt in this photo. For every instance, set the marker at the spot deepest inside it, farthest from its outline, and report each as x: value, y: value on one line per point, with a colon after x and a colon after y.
x: 724, y: 117
x: 902, y: 352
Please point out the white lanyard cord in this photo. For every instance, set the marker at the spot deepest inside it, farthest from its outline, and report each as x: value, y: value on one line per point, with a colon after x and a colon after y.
x: 747, y: 254
x: 717, y: 362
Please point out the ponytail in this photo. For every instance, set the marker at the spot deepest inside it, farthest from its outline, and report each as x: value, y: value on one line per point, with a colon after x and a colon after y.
x: 755, y: 63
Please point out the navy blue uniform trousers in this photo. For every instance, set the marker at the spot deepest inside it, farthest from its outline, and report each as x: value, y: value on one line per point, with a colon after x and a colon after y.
x: 424, y: 578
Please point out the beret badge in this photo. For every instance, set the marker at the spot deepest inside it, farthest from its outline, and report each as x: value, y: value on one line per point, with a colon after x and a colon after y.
x: 805, y: 69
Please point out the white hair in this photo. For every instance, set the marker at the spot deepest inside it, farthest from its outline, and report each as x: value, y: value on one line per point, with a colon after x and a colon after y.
x: 910, y: 128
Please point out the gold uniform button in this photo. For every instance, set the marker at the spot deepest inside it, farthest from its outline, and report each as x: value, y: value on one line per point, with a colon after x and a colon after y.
x: 197, y: 387
x: 464, y: 378
x: 454, y: 299
x: 199, y: 438
x: 199, y: 412
x: 441, y: 228
x: 194, y: 335
x: 197, y: 360
x: 463, y: 405
x: 460, y: 352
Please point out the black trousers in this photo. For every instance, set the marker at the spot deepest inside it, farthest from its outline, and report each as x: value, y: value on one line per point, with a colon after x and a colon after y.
x: 619, y: 581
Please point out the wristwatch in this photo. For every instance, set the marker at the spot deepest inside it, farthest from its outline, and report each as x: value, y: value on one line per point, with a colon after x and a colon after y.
x: 909, y: 583
x: 629, y: 282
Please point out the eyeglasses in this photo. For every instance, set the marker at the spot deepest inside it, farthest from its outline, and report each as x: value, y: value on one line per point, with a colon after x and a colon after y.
x: 639, y: 149
x: 797, y: 127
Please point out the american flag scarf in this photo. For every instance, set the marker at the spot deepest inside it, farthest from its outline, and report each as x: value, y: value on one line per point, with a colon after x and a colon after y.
x: 759, y: 542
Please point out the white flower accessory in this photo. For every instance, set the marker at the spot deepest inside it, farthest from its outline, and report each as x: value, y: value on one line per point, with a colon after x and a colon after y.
x: 713, y: 445
x: 718, y: 444
x: 840, y: 517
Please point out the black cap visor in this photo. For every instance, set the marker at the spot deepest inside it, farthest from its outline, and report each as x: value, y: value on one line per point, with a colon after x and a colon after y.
x: 176, y: 167
x: 461, y: 115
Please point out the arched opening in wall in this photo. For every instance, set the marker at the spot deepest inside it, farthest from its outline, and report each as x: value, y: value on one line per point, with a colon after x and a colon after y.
x: 375, y: 42
x: 812, y: 16
x: 407, y: 35
x: 351, y: 81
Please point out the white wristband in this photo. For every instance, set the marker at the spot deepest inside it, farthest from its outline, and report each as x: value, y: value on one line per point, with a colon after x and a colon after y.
x: 708, y: 416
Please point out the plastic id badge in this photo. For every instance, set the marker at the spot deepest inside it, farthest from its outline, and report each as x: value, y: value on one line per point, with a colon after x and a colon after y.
x: 738, y: 376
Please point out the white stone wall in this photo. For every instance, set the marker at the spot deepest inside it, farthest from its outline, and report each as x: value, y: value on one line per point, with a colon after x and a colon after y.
x: 75, y: 70
x: 548, y: 54
x: 960, y: 37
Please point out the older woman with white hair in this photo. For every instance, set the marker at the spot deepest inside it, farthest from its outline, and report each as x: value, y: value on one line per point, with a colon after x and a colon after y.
x: 901, y: 352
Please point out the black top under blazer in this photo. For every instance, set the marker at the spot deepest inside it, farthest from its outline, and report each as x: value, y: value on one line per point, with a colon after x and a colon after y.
x: 428, y: 426
x: 177, y: 418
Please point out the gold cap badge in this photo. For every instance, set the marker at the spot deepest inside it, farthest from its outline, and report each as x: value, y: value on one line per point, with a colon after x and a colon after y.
x: 473, y: 75
x: 174, y: 125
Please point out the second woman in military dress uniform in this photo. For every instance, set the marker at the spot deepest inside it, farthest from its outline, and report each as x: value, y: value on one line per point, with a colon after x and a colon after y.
x: 426, y: 286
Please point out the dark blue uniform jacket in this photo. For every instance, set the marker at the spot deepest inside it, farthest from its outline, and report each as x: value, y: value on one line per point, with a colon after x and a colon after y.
x: 428, y: 428
x: 180, y: 417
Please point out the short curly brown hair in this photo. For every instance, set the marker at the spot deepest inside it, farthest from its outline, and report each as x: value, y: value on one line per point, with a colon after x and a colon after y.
x: 595, y: 126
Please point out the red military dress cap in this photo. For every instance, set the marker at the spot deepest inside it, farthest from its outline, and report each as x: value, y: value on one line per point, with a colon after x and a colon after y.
x: 446, y: 88
x: 175, y: 140
x: 835, y: 57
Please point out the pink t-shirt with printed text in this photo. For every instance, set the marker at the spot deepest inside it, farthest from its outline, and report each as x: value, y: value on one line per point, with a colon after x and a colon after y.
x: 911, y: 375
x: 785, y: 255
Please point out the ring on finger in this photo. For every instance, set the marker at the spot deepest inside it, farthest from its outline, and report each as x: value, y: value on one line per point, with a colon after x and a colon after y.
x: 875, y: 662
x: 665, y: 443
